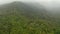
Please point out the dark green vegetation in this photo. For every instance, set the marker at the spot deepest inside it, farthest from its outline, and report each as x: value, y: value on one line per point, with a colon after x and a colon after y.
x: 21, y: 18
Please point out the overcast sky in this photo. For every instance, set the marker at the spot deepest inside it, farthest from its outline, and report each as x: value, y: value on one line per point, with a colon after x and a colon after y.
x: 40, y: 1
x: 47, y: 3
x: 43, y: 1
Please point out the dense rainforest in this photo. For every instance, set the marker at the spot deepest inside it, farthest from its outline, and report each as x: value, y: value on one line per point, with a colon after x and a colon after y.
x: 27, y: 18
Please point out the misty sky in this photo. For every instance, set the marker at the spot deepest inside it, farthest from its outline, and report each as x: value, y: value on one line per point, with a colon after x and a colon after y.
x: 42, y: 1
x: 47, y: 3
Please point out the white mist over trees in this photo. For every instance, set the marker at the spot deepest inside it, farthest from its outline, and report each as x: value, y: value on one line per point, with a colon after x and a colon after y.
x: 50, y: 5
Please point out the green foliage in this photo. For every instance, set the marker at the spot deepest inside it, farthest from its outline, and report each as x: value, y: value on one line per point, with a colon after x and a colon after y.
x: 15, y: 24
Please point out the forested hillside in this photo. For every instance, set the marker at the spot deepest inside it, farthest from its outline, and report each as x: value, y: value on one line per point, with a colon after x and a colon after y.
x: 21, y: 18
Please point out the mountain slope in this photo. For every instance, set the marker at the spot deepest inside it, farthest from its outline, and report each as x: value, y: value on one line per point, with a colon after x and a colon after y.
x: 24, y: 9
